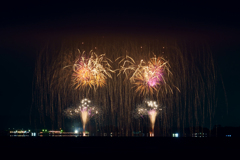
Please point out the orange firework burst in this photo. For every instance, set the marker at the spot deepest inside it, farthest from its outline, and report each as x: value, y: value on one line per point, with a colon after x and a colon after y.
x: 145, y: 77
x: 91, y: 71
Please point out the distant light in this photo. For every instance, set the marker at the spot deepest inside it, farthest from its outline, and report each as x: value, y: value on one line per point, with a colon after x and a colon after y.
x: 45, y: 130
x: 76, y: 131
x: 175, y: 135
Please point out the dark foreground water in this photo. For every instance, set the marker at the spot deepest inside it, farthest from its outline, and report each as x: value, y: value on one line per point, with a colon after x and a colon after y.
x: 121, y: 143
x: 119, y: 146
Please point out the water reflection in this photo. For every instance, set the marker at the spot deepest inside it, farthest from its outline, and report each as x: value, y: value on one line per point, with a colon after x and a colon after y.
x: 64, y: 136
x: 19, y: 135
x: 71, y: 134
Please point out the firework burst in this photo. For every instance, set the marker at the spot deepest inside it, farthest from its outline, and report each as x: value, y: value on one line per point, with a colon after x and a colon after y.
x: 86, y: 111
x: 146, y: 76
x: 150, y: 109
x: 91, y: 71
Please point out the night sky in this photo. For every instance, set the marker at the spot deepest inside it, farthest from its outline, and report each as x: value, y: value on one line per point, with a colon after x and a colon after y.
x: 25, y: 27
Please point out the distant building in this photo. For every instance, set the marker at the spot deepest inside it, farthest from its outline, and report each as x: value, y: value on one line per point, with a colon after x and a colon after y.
x: 200, y: 134
x: 196, y: 132
x: 19, y: 133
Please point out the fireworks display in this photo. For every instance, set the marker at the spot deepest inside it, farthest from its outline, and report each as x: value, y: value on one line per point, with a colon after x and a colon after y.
x: 192, y: 71
x: 86, y: 111
x: 146, y: 76
x: 91, y: 71
x: 150, y: 109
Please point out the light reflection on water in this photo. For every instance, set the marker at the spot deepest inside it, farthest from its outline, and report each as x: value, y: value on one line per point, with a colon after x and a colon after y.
x: 19, y: 135
x: 63, y: 136
x: 49, y: 136
x: 68, y: 136
x: 78, y: 135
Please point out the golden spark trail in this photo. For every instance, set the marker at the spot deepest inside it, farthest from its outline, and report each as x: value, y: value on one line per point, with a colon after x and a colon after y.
x: 84, y: 115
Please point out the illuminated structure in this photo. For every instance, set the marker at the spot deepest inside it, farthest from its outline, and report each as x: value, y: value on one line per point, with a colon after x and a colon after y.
x: 199, y: 134
x: 175, y: 135
x: 63, y: 134
x: 20, y: 133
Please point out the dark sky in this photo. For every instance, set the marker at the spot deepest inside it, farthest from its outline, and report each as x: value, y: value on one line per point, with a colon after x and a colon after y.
x: 25, y: 26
